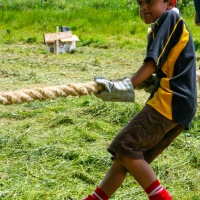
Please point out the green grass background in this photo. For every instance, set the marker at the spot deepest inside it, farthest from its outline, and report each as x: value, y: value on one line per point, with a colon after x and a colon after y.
x: 57, y: 148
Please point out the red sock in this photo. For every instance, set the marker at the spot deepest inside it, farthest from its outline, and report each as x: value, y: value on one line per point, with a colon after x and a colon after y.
x: 156, y: 192
x: 98, y: 195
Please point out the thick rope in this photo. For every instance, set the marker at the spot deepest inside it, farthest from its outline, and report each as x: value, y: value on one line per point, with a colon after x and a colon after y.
x: 52, y: 92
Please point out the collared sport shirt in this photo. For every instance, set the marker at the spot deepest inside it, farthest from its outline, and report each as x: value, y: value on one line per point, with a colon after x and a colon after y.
x: 171, y: 46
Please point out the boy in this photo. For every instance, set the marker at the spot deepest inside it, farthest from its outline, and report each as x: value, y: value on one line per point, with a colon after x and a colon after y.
x: 169, y: 109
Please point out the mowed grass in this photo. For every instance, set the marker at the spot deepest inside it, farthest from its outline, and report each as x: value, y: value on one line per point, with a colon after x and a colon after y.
x: 53, y: 149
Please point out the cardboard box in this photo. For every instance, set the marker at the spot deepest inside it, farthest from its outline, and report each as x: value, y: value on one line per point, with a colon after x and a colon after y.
x: 60, y: 42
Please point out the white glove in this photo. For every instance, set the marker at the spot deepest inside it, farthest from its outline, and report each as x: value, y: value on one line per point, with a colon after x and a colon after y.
x: 150, y: 89
x: 148, y: 85
x: 116, y: 91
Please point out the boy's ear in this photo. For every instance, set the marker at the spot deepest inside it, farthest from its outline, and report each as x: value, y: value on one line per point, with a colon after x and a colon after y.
x: 171, y: 4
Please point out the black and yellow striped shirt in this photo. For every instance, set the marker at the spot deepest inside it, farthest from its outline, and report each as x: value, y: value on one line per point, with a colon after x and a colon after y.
x: 171, y: 46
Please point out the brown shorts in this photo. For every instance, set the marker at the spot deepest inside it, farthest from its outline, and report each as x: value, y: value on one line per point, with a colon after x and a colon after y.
x: 145, y: 136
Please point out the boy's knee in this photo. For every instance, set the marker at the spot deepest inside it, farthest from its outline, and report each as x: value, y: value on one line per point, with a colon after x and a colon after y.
x: 119, y: 157
x: 123, y: 159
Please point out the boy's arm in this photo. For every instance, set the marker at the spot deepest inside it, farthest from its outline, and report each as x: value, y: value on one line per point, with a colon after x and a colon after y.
x: 143, y: 73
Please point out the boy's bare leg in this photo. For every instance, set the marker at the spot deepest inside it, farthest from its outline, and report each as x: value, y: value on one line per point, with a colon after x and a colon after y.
x: 114, y: 178
x: 139, y: 169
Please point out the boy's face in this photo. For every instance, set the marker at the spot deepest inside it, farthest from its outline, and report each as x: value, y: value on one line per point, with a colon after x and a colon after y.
x: 151, y: 10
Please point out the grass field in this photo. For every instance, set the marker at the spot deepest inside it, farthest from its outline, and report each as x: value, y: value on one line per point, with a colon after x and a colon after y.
x: 57, y: 148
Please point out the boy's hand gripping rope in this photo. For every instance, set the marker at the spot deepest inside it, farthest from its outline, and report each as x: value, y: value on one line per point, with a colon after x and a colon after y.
x: 51, y: 92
